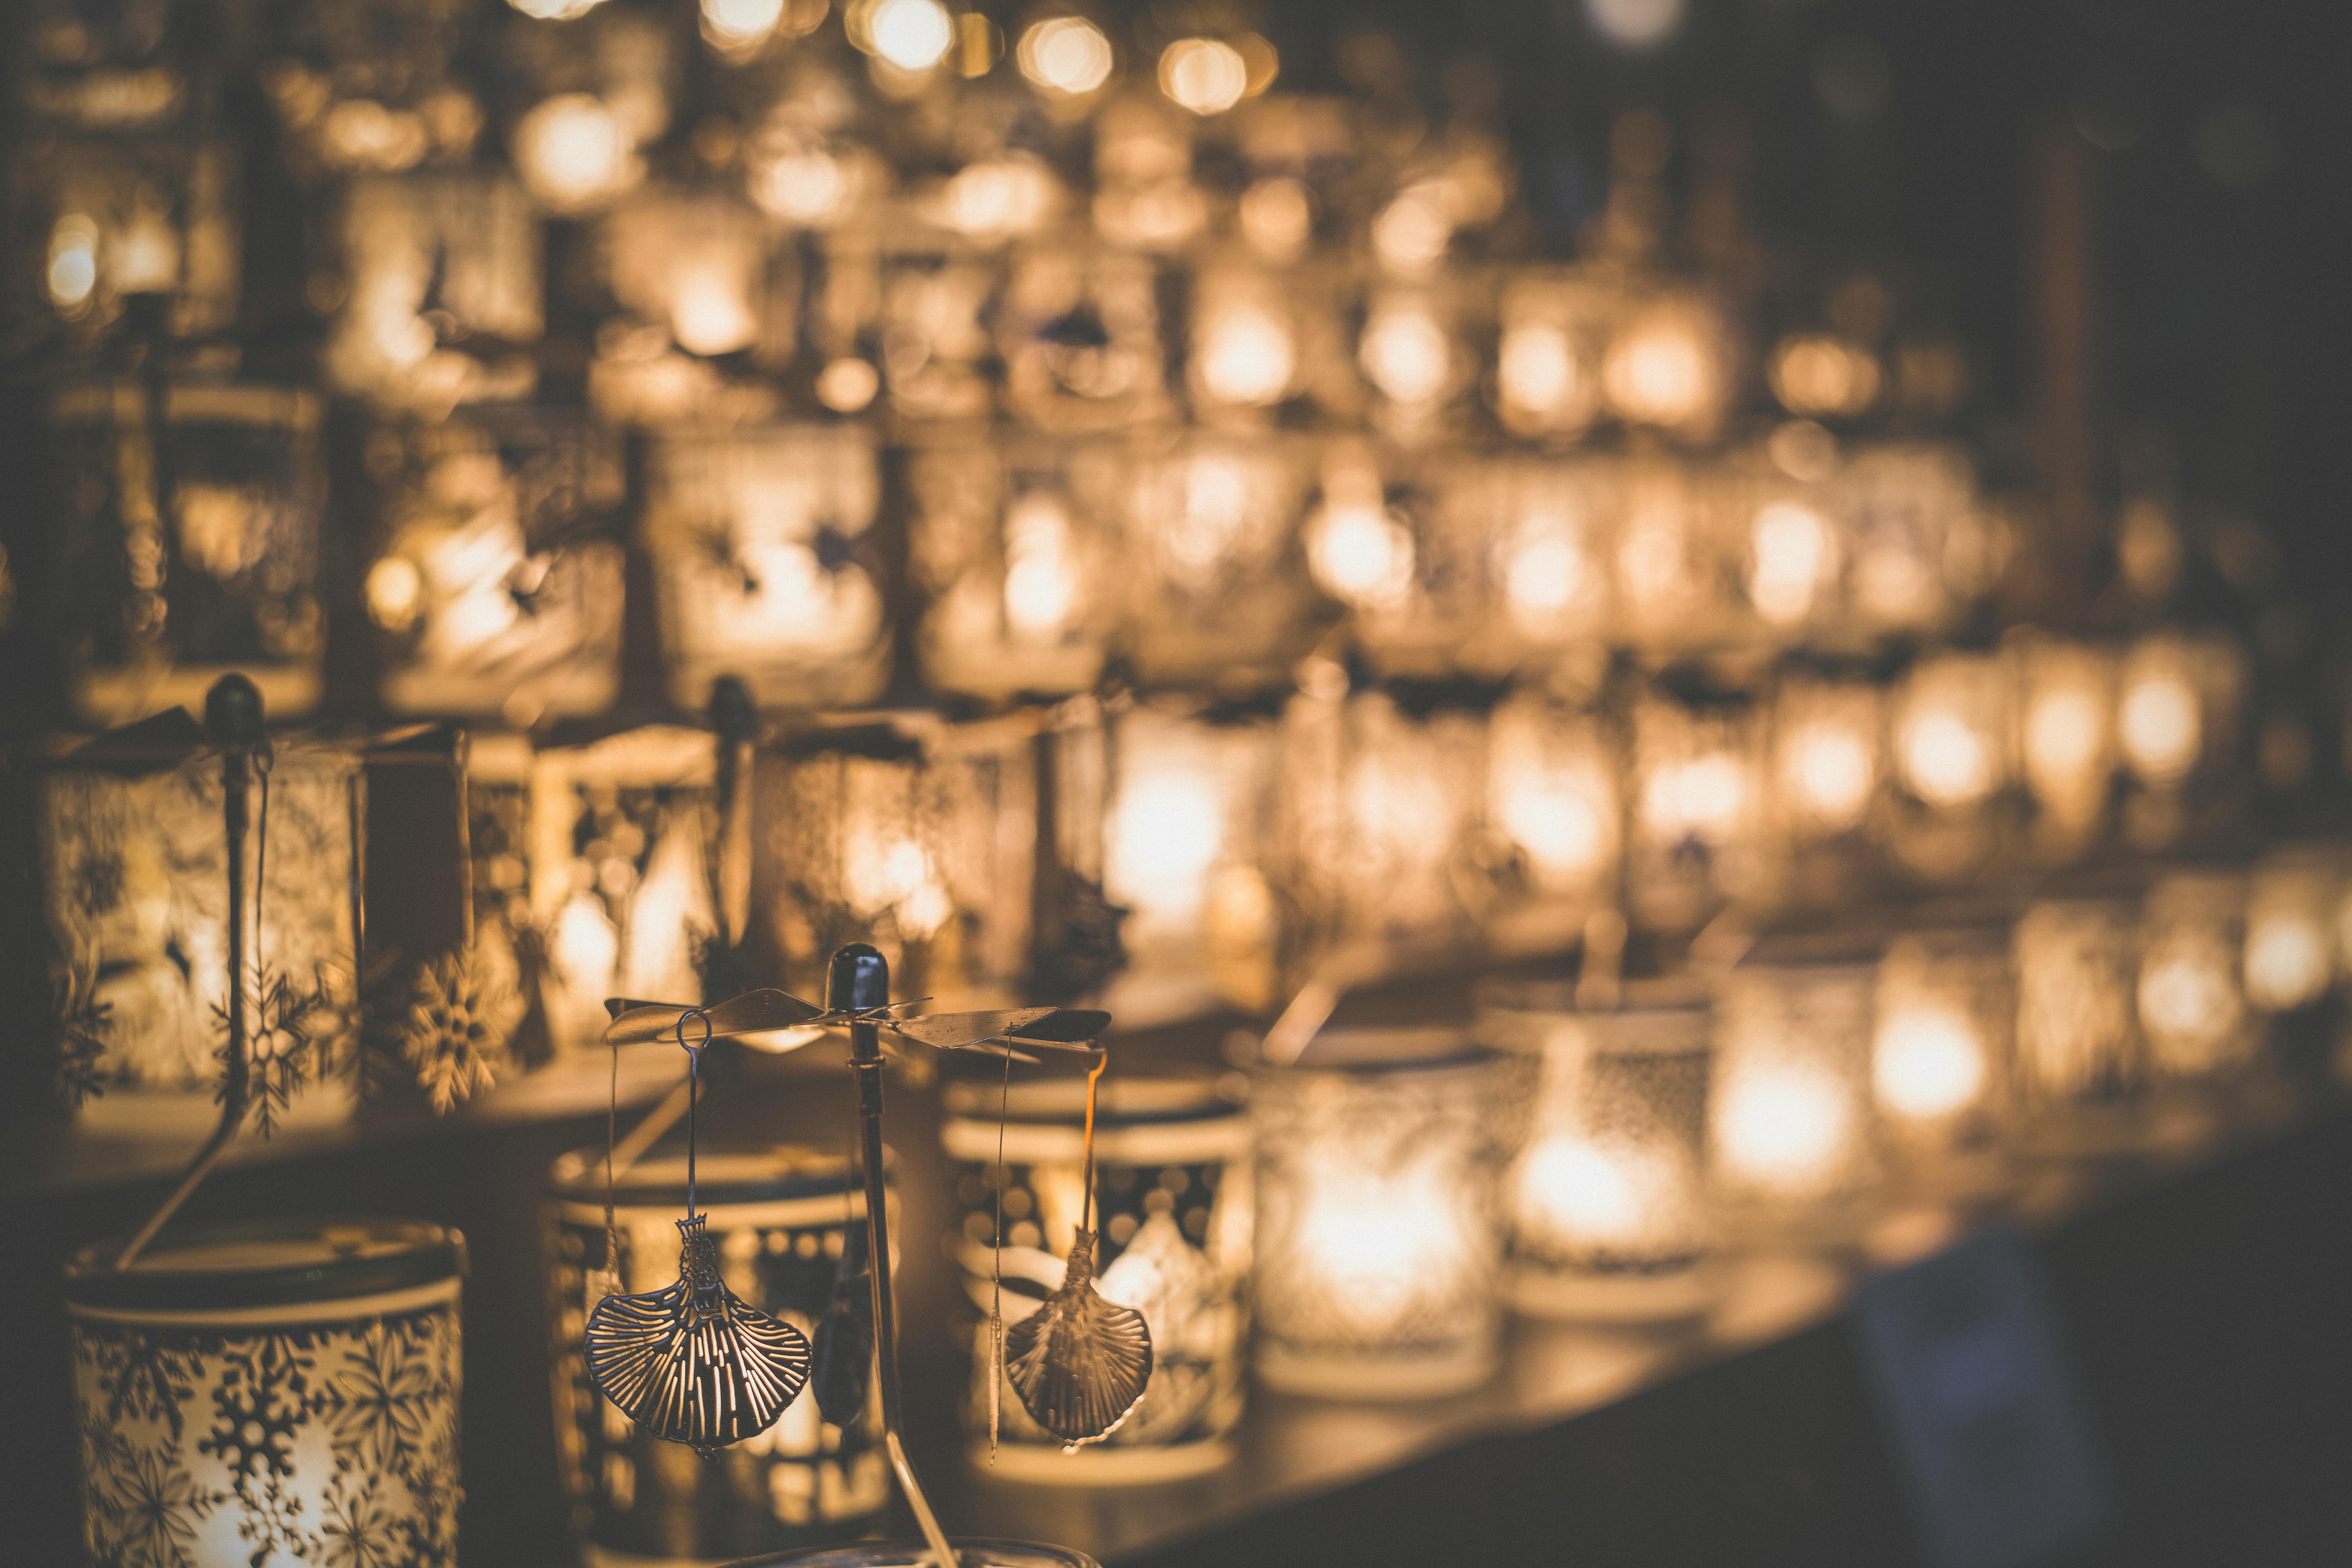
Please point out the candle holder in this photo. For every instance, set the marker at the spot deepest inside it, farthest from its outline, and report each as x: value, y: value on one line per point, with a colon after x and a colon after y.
x: 790, y: 1224
x: 1413, y: 353
x: 1553, y: 328
x: 2066, y: 749
x: 1668, y: 363
x: 1917, y: 553
x: 103, y: 223
x: 1381, y: 1157
x: 1552, y: 772
x: 763, y: 553
x: 931, y: 289
x: 1551, y: 570
x: 1946, y: 1019
x: 1219, y: 594
x: 1014, y: 544
x: 1950, y: 733
x: 2191, y: 991
x: 1666, y: 553
x: 1079, y: 329
x: 2292, y: 910
x: 2082, y: 1068
x: 186, y: 544
x: 2179, y: 700
x: 1256, y: 338
x: 1699, y: 837
x: 430, y: 261
x: 1609, y: 1214
x: 497, y: 583
x: 1825, y: 780
x: 1794, y: 548
x: 1792, y: 1131
x: 276, y: 1386
x: 1172, y: 1171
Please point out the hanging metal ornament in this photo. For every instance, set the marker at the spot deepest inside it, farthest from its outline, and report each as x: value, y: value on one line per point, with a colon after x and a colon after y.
x: 1080, y: 1363
x: 844, y: 1340
x: 691, y: 1364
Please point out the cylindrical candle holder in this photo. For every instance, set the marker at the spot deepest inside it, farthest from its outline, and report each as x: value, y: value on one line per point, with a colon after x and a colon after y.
x: 2191, y: 991
x: 1792, y: 1151
x: 1172, y: 1181
x: 1945, y: 1013
x: 269, y: 1390
x: 1607, y: 1203
x: 2082, y: 1071
x: 2291, y: 927
x: 1381, y: 1157
x: 781, y: 1215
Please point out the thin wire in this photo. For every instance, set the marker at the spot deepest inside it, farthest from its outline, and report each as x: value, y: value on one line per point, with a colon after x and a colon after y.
x: 1086, y: 1205
x: 693, y: 1081
x: 612, y: 1131
x: 996, y: 1305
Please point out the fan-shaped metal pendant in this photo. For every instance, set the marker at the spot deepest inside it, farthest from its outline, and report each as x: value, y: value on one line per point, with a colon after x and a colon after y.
x: 691, y: 1362
x: 1079, y: 1363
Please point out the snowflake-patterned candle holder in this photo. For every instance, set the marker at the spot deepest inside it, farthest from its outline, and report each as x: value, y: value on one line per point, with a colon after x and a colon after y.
x: 271, y: 1391
x: 1172, y: 1187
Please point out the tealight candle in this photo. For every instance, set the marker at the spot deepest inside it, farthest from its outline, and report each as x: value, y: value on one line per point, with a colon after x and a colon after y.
x: 1791, y: 1134
x: 2191, y: 998
x: 1946, y: 1009
x: 2291, y: 912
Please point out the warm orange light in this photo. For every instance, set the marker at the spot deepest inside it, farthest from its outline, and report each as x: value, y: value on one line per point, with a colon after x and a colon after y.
x: 1207, y: 75
x: 573, y: 152
x: 1067, y: 55
x: 1793, y: 561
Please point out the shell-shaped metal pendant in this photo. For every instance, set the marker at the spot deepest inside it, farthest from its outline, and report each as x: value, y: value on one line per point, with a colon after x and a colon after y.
x: 1079, y: 1363
x: 844, y: 1340
x: 692, y: 1364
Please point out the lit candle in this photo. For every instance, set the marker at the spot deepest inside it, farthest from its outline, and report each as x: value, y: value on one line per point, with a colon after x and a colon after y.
x: 1663, y: 366
x: 1379, y: 1231
x: 2291, y: 909
x: 1546, y: 384
x: 1608, y: 1202
x: 1945, y: 1010
x: 1552, y: 790
x: 2068, y: 744
x: 2191, y: 998
x: 1825, y: 741
x: 2082, y: 1064
x: 1791, y: 1132
x: 1951, y: 741
x: 1697, y: 829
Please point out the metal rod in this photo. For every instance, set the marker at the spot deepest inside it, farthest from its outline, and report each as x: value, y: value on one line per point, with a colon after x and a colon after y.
x: 859, y: 978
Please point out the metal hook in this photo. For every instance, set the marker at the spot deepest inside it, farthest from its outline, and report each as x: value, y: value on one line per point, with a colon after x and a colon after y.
x: 694, y: 1050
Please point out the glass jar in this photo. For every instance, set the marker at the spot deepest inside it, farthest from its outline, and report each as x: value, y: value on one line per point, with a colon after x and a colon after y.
x: 2066, y: 744
x: 2291, y: 915
x: 1608, y: 1200
x: 1380, y: 1159
x: 1173, y: 1209
x: 1950, y: 735
x: 2191, y: 991
x: 1792, y: 1130
x: 1945, y: 1013
x: 2082, y: 1063
x: 1825, y: 780
x: 334, y: 1348
x: 1699, y: 834
x: 783, y: 1216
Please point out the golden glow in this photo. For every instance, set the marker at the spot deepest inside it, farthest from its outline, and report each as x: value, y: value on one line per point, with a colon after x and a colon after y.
x: 2064, y: 737
x: 1360, y: 554
x: 1793, y: 556
x: 999, y: 197
x: 1207, y: 75
x: 912, y: 34
x: 1406, y: 354
x: 1825, y: 375
x: 1380, y: 1243
x: 1545, y: 571
x: 1583, y: 1194
x: 573, y: 153
x: 709, y: 313
x: 1555, y: 818
x: 1247, y: 357
x: 1946, y: 762
x: 144, y: 258
x: 1538, y: 374
x: 1784, y: 1128
x: 1929, y: 1064
x: 1041, y: 584
x: 2188, y: 1003
x: 72, y: 274
x: 1635, y: 24
x: 1278, y: 218
x: 1065, y: 54
x: 554, y: 10
x: 1829, y: 769
x: 1703, y: 797
x: 2287, y: 962
x: 847, y: 385
x: 395, y: 592
x: 2159, y: 724
x: 1166, y: 833
x: 1660, y: 368
x: 735, y: 24
x: 586, y: 949
x: 1411, y: 233
x: 808, y: 186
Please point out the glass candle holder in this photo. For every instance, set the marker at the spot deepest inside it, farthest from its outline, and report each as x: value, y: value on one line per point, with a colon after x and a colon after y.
x: 1173, y: 1209
x: 1549, y: 569
x: 1181, y: 841
x: 1949, y: 733
x: 1668, y: 363
x: 781, y: 1216
x: 1825, y: 780
x: 1218, y: 595
x: 430, y: 261
x: 1910, y: 510
x: 1414, y: 353
x: 761, y: 554
x: 497, y: 583
x: 506, y: 870
x: 1374, y: 819
x: 1552, y: 772
x: 1668, y: 557
x: 1608, y: 1201
x: 1252, y: 340
x: 918, y: 838
x: 1552, y: 327
x: 1792, y: 1130
x: 931, y: 290
x: 2179, y: 700
x: 1411, y: 573
x: 2081, y: 1067
x: 626, y: 844
x: 1014, y: 543
x: 1792, y: 548
x: 1380, y: 1159
x: 2191, y: 991
x: 1079, y: 329
x: 259, y: 1388
x: 2067, y: 747
x: 706, y: 270
x: 102, y: 222
x: 1946, y: 1016
x: 2290, y: 924
x: 1698, y: 835
x: 186, y: 544
x: 134, y: 875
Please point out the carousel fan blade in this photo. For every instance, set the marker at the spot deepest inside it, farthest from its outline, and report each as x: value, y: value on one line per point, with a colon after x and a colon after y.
x: 961, y: 1031
x: 1079, y: 1363
x: 1070, y: 1029
x: 641, y: 1023
x: 691, y: 1364
x: 842, y: 1364
x: 757, y: 1012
